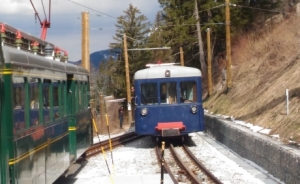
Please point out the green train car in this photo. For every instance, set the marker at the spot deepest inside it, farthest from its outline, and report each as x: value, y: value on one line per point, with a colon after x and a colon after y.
x: 45, y: 121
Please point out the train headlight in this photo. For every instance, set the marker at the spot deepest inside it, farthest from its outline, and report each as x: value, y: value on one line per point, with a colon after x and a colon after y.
x: 194, y: 109
x: 167, y: 73
x: 144, y: 111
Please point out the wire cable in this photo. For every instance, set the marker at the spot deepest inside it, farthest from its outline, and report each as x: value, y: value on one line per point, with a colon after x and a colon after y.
x: 92, y: 9
x: 240, y: 6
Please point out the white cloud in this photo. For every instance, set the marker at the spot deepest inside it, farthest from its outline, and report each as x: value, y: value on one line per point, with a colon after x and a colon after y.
x: 65, y: 20
x: 11, y: 7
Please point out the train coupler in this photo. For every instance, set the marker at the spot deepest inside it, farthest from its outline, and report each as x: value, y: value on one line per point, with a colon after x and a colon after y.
x: 168, y: 129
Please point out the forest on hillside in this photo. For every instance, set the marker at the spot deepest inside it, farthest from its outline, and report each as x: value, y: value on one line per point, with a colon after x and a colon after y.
x: 182, y: 24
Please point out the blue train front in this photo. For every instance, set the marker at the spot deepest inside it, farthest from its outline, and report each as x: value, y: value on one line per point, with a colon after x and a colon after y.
x: 168, y: 101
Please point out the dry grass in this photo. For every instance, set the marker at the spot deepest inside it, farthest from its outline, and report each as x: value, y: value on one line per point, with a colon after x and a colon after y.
x: 265, y: 64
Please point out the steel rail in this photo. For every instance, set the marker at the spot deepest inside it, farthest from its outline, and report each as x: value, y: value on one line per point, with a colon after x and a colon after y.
x: 201, y: 166
x: 166, y: 166
x: 183, y: 166
x: 116, y: 141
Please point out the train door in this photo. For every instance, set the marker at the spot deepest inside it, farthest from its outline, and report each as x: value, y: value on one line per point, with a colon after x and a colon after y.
x: 4, y: 178
x: 3, y: 160
x: 71, y: 108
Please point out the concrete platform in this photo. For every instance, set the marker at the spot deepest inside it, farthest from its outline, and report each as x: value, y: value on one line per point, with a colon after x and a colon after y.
x: 249, y: 166
x: 274, y: 157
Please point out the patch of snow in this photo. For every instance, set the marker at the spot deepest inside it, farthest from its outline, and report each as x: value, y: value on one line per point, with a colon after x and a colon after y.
x: 252, y: 127
x: 265, y: 131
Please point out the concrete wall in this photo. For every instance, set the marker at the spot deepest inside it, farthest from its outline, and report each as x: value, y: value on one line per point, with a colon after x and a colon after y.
x: 278, y: 159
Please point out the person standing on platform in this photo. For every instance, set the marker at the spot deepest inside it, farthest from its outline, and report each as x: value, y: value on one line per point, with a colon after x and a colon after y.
x: 121, y: 116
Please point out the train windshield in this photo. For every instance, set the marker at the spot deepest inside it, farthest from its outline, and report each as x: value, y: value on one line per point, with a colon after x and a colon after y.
x: 188, y: 92
x: 149, y: 94
x: 169, y: 93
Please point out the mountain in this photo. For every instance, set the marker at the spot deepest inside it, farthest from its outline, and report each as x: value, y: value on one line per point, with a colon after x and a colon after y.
x: 98, y: 56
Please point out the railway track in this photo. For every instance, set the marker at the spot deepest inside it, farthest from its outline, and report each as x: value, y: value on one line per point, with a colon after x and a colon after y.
x: 116, y: 141
x: 183, y: 166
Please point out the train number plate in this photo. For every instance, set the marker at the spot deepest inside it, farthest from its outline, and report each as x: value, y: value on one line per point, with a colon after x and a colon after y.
x: 170, y: 132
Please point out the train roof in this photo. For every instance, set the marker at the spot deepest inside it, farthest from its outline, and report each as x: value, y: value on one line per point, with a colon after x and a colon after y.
x: 25, y: 36
x: 159, y: 72
x: 25, y: 50
x: 27, y: 59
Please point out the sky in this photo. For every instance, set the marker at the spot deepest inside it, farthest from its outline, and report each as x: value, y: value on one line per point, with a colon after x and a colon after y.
x: 65, y: 19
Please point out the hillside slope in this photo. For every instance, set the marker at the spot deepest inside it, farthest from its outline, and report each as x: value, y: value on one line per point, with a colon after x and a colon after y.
x: 264, y: 64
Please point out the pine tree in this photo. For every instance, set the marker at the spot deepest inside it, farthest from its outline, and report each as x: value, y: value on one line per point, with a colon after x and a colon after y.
x: 180, y: 29
x: 156, y: 40
x: 136, y: 27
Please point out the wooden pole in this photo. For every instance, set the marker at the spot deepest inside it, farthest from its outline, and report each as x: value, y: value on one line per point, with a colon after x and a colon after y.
x: 102, y: 110
x: 228, y: 45
x: 201, y: 52
x: 209, y: 63
x: 85, y: 61
x: 181, y: 57
x: 162, y: 162
x: 127, y: 80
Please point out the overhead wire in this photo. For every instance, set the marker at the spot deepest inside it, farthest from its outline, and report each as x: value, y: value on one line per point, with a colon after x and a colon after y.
x: 93, y: 9
x: 218, y: 6
x: 250, y: 7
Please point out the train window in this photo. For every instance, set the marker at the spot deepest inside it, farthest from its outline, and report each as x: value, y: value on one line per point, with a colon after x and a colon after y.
x: 149, y: 93
x: 56, y: 98
x: 188, y: 92
x: 46, y: 99
x: 79, y: 96
x: 34, y: 100
x: 18, y: 91
x: 63, y: 92
x: 85, y: 96
x: 76, y: 96
x: 19, y: 103
x: 168, y: 93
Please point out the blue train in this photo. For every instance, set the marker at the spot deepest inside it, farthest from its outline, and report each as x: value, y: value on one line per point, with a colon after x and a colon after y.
x: 168, y: 100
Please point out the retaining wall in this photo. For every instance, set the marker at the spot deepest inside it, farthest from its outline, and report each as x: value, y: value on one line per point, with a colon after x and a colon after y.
x: 278, y: 159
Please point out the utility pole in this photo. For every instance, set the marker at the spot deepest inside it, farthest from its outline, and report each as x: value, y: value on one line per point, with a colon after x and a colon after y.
x: 85, y: 61
x: 102, y: 110
x: 201, y: 52
x: 228, y: 45
x: 181, y: 57
x: 127, y: 79
x: 209, y: 75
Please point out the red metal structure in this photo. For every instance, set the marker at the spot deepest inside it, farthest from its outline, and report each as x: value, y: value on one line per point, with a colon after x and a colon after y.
x: 57, y: 51
x: 46, y: 23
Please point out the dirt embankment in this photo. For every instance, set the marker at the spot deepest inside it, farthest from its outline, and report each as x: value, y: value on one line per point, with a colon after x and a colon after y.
x: 264, y: 64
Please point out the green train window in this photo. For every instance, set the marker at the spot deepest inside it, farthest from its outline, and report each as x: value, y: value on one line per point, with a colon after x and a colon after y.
x: 63, y: 92
x: 19, y: 103
x: 76, y: 96
x: 56, y: 99
x: 86, y: 95
x: 47, y: 95
x: 34, y: 96
x: 79, y: 96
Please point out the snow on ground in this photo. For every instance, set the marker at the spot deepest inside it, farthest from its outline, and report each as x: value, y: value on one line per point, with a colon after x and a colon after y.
x: 228, y: 171
x: 138, y: 158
